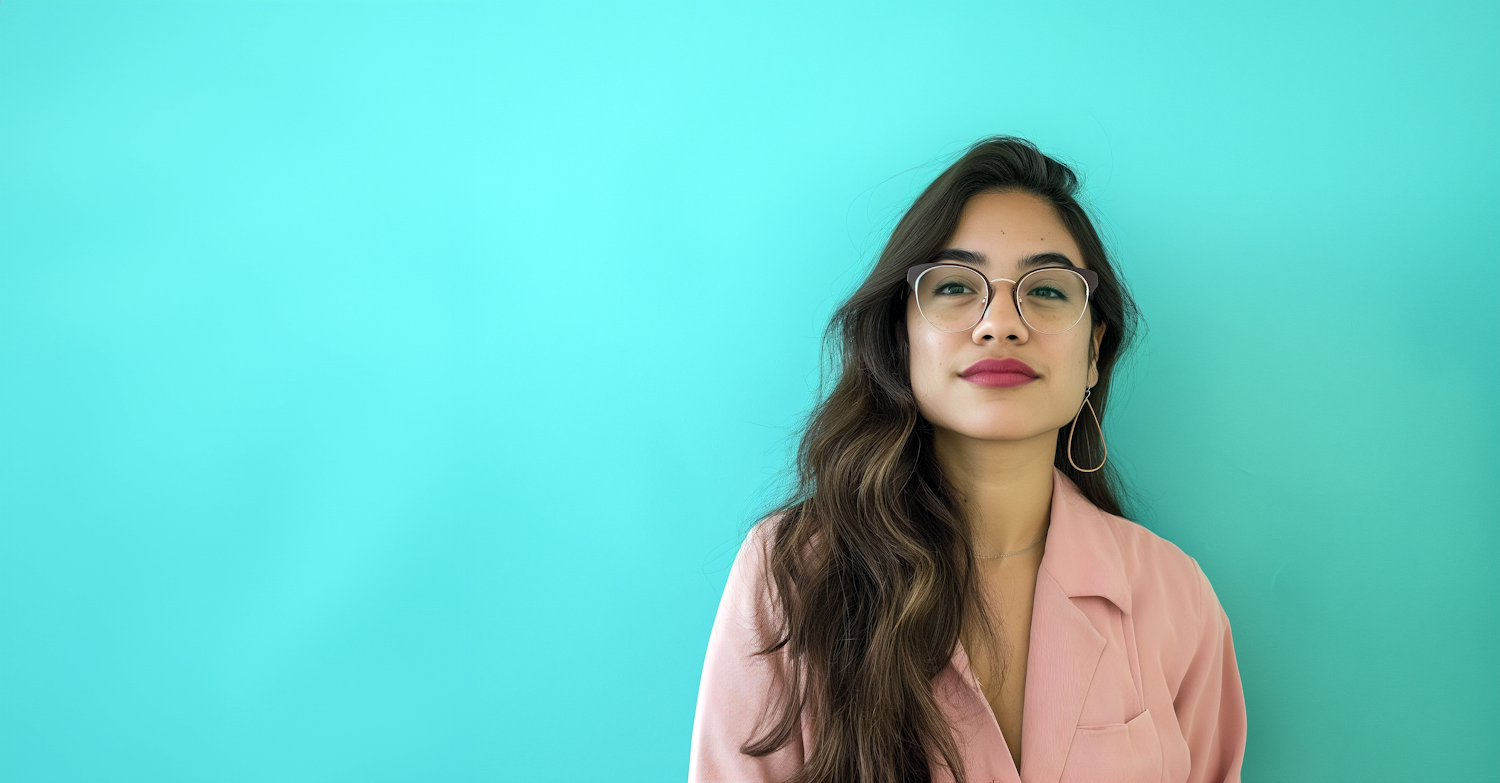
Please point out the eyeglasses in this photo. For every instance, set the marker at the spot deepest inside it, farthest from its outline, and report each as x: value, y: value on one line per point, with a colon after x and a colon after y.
x: 954, y: 298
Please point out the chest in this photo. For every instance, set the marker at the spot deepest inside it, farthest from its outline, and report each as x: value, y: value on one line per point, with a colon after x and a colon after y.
x: 1093, y: 685
x: 1000, y: 656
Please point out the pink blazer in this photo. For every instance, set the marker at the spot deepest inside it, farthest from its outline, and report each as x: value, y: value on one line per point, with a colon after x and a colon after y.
x: 1130, y: 677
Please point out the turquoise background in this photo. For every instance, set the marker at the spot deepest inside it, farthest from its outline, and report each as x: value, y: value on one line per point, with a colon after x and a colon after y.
x: 313, y: 468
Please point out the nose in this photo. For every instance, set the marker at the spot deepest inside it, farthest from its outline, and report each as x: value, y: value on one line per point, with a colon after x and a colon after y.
x: 1001, y: 316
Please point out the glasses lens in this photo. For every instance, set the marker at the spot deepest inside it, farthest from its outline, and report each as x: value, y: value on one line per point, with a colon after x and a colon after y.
x: 1052, y: 300
x: 951, y: 298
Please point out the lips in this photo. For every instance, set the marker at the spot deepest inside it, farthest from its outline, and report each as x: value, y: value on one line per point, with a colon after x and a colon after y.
x: 999, y: 372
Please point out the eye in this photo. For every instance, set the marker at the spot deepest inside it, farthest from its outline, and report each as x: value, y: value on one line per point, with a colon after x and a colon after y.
x: 1048, y: 292
x: 953, y: 288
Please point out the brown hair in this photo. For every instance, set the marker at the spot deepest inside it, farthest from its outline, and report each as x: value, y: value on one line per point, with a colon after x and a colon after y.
x: 871, y: 560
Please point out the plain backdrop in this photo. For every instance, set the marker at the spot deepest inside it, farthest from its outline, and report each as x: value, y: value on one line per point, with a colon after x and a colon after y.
x: 385, y: 388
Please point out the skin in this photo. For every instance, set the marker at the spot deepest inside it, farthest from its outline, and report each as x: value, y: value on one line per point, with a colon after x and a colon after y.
x: 997, y: 444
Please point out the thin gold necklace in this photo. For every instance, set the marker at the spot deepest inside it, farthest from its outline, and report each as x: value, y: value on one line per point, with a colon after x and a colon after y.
x: 1018, y: 551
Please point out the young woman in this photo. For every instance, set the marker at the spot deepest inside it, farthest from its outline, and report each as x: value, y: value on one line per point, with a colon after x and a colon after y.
x: 953, y: 593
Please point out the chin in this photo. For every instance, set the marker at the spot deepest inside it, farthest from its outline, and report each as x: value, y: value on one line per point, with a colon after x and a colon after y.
x: 999, y: 430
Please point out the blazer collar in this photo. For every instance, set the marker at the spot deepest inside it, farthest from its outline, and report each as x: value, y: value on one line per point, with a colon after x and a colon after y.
x: 1082, y: 558
x: 1082, y: 554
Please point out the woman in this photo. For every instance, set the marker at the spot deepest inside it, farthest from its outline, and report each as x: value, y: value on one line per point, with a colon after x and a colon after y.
x: 953, y: 593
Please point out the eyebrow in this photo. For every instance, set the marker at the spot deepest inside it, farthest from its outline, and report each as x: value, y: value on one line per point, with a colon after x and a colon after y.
x: 978, y: 259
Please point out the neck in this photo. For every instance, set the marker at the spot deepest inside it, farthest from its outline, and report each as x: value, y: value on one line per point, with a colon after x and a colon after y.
x: 1005, y: 487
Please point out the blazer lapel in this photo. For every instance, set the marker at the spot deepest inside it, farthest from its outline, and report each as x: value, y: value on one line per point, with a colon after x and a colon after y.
x: 1060, y: 665
x: 1081, y: 559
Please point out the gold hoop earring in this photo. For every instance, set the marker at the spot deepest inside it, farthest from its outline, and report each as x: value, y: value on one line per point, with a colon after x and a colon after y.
x: 1074, y: 425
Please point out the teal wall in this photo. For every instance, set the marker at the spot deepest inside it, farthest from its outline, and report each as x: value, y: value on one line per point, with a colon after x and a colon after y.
x: 314, y: 468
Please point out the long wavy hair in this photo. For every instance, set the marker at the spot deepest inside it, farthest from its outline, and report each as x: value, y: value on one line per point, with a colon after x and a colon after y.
x: 871, y: 559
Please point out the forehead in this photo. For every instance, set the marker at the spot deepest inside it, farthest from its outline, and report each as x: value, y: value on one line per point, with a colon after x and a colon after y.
x: 1005, y: 228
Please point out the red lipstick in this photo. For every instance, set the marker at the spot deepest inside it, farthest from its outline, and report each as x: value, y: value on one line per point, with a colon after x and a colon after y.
x: 999, y: 372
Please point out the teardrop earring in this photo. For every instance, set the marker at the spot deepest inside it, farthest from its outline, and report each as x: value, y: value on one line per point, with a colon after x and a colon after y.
x: 1102, y: 445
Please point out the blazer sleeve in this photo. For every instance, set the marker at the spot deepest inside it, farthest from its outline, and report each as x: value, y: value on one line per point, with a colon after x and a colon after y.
x: 739, y: 690
x: 1210, y: 702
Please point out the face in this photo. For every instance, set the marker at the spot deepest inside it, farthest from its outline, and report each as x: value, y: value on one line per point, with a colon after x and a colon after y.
x: 1002, y: 235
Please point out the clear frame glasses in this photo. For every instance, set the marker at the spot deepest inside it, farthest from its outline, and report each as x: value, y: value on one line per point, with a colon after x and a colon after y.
x: 954, y: 297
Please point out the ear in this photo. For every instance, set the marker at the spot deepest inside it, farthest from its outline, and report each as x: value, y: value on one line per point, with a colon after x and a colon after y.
x: 1098, y: 338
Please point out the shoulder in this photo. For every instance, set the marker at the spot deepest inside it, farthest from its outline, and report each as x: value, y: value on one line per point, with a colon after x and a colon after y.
x: 749, y: 593
x: 756, y: 548
x: 1154, y: 563
x: 1173, y: 604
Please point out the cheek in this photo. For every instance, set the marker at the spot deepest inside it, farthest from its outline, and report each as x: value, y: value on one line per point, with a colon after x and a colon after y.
x: 920, y: 353
x: 1073, y: 362
x: 926, y: 358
